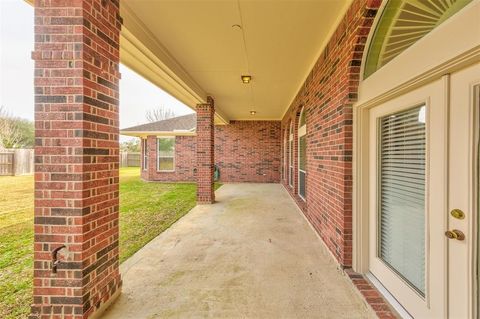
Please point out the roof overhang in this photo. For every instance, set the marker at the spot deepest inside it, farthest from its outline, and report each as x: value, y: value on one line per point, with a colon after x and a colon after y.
x: 192, y: 49
x: 144, y: 134
x: 196, y: 48
x: 141, y: 52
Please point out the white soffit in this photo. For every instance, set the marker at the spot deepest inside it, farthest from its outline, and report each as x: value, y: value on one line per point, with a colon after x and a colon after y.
x: 190, y: 49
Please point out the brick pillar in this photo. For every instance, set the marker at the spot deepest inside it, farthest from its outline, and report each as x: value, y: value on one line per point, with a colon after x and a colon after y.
x: 205, y: 152
x: 76, y: 157
x: 152, y: 156
x: 144, y: 172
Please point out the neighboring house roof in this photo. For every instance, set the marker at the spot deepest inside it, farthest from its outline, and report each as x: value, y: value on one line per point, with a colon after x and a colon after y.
x: 180, y: 125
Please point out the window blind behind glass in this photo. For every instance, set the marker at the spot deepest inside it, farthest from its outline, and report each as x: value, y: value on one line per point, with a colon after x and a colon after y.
x: 402, y: 194
x: 302, y: 166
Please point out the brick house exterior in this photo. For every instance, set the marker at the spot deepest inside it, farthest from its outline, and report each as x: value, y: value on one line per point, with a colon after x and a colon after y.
x: 76, y: 155
x: 327, y: 97
x: 245, y: 152
x: 248, y: 151
x: 185, y: 161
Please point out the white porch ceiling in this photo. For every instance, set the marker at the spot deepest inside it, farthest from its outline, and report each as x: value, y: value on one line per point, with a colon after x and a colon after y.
x: 190, y: 49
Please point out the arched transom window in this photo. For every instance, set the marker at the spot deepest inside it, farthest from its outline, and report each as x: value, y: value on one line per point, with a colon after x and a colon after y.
x: 302, y: 153
x: 404, y: 22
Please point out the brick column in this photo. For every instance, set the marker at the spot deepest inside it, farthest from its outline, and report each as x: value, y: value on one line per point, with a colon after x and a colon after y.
x: 205, y: 152
x: 152, y: 156
x: 76, y: 157
x: 144, y: 172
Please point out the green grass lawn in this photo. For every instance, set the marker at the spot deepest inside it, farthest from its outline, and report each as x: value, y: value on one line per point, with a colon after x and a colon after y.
x: 146, y: 209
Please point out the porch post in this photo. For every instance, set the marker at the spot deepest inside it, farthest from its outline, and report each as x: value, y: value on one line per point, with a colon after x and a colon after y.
x: 205, y: 152
x: 76, y: 157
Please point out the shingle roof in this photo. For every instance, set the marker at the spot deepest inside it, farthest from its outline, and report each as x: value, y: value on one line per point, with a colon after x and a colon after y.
x: 180, y: 123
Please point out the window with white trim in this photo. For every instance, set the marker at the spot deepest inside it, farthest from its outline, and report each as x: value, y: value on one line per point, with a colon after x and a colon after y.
x: 302, y: 153
x: 145, y: 154
x: 290, y: 156
x: 166, y: 154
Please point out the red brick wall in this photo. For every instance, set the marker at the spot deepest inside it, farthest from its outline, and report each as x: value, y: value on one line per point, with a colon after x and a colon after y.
x: 205, y: 152
x: 76, y: 156
x: 185, y: 161
x: 248, y: 151
x: 245, y: 151
x: 328, y: 94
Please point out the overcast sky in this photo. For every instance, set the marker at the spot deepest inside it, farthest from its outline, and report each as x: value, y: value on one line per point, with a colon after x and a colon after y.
x: 137, y: 95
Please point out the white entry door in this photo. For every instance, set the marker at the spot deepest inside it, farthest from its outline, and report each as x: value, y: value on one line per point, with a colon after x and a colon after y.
x: 422, y: 164
x: 463, y: 190
x: 408, y: 182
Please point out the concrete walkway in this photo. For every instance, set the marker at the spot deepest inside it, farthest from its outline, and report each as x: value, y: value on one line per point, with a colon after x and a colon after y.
x: 251, y: 255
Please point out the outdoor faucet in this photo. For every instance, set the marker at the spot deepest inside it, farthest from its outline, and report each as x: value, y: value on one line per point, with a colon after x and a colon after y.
x: 55, y: 260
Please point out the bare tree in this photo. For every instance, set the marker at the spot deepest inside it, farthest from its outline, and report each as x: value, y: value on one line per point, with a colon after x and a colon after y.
x: 159, y: 114
x: 15, y: 132
x: 131, y: 145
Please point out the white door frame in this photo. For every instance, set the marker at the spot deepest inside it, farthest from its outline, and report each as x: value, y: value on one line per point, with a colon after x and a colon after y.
x: 363, y: 198
x: 434, y: 98
x: 463, y: 192
x: 380, y: 87
x: 412, y: 69
x: 476, y: 205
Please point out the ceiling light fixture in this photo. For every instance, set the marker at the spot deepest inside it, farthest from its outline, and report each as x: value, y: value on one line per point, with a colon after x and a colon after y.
x: 253, y: 112
x: 246, y: 78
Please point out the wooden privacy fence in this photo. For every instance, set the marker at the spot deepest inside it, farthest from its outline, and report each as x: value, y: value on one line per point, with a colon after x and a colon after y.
x: 16, y: 162
x: 128, y: 159
x: 21, y: 161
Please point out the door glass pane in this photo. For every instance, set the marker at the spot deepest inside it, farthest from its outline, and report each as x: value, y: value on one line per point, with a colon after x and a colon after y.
x: 301, y: 183
x: 301, y: 162
x: 291, y: 152
x: 290, y: 181
x: 402, y: 194
x: 303, y: 118
x: 302, y: 152
x: 290, y: 162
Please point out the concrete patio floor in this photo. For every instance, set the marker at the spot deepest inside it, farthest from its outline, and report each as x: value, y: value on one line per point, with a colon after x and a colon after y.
x: 250, y: 255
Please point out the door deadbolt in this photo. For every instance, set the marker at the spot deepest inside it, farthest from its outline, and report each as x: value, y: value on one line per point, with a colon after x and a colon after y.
x: 455, y: 234
x: 457, y: 213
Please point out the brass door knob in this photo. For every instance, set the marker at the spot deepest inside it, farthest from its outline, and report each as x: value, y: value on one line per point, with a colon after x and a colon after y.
x: 457, y: 213
x: 455, y: 234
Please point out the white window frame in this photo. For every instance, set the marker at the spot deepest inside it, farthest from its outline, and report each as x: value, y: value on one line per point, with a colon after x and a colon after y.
x: 290, y: 156
x: 302, y: 131
x: 145, y: 154
x: 158, y: 154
